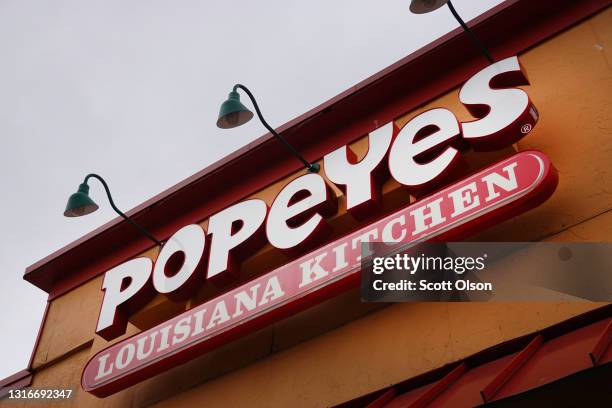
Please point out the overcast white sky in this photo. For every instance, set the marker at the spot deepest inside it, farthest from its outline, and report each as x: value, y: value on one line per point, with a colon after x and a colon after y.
x: 131, y: 90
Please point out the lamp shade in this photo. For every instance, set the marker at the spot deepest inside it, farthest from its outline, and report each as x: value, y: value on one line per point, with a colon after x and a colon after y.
x: 80, y: 203
x: 425, y: 6
x: 233, y: 113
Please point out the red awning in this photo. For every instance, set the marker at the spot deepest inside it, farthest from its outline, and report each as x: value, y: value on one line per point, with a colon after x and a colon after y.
x: 577, y: 347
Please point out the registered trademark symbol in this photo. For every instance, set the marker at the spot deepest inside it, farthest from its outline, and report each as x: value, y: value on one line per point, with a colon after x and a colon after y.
x: 526, y: 128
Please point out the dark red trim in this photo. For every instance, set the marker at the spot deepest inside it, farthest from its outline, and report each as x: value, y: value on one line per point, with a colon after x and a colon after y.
x: 602, y: 344
x: 439, y: 387
x: 508, y: 29
x: 513, y: 366
x: 385, y: 398
x: 14, y: 378
x: 16, y: 381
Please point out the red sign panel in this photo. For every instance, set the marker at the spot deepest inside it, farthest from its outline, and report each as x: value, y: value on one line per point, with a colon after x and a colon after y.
x: 498, y: 192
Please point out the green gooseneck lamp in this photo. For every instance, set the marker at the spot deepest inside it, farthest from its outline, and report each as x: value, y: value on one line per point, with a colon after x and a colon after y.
x: 233, y: 114
x: 80, y: 204
x: 426, y: 6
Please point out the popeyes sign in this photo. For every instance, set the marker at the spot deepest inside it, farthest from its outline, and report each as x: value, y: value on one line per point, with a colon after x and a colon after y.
x: 416, y: 156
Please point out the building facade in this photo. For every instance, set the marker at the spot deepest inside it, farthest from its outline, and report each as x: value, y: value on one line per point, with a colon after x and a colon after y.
x: 340, y: 350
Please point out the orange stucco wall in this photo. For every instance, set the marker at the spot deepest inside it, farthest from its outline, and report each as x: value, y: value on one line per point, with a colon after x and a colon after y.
x: 319, y: 358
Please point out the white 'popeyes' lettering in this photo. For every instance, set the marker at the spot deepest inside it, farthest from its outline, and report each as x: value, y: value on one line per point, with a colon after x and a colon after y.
x: 421, y: 153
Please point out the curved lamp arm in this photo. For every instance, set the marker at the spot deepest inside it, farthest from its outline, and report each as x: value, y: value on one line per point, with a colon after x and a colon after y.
x: 312, y: 167
x: 475, y: 39
x: 118, y: 211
